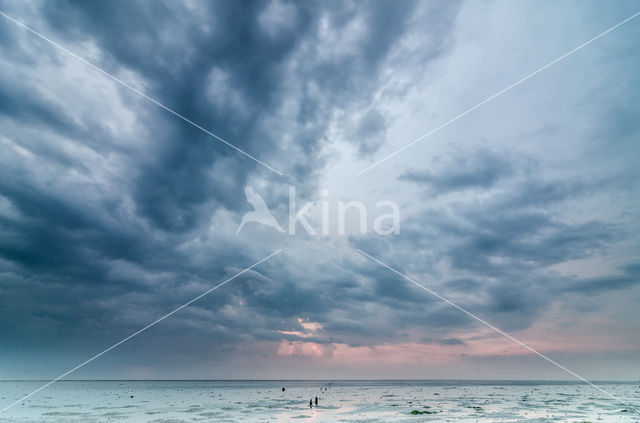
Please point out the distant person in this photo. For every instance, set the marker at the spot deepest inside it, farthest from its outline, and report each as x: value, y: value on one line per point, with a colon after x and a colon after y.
x: 283, y: 389
x: 316, y: 401
x: 310, y: 403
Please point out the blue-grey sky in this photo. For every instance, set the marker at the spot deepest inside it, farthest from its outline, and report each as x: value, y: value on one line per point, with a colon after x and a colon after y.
x: 113, y: 211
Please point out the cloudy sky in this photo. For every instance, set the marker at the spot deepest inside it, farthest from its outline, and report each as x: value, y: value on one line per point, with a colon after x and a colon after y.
x: 113, y: 211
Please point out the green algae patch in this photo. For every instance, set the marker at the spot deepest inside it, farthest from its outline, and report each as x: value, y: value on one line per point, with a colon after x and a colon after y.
x: 416, y: 412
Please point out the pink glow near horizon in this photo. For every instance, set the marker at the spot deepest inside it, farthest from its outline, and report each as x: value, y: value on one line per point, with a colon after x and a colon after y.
x: 480, y: 343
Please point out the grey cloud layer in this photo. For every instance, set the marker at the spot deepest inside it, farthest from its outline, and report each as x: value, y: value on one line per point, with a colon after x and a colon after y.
x: 110, y: 204
x: 112, y: 212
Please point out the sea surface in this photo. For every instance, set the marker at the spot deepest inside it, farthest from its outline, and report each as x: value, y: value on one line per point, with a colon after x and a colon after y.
x: 338, y: 401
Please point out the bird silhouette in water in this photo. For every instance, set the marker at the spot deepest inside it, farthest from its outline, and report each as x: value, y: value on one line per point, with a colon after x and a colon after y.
x: 260, y: 212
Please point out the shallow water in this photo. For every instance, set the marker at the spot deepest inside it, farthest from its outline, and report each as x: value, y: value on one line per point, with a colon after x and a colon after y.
x: 349, y: 401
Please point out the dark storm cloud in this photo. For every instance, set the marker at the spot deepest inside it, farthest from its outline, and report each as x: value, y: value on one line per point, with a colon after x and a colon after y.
x: 113, y: 209
x: 500, y: 247
x: 168, y: 46
x: 114, y: 212
x: 480, y: 169
x: 628, y: 276
x: 370, y: 132
x: 182, y: 65
x: 528, y: 238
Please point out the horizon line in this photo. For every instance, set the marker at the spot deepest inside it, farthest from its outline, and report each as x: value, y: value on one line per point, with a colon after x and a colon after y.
x: 572, y: 381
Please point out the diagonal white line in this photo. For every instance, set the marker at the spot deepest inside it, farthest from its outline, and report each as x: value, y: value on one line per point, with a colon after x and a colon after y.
x: 499, y: 93
x: 496, y: 329
x: 137, y: 332
x: 119, y: 81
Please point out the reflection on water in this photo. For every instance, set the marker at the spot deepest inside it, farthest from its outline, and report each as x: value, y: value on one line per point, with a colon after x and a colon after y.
x: 258, y: 401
